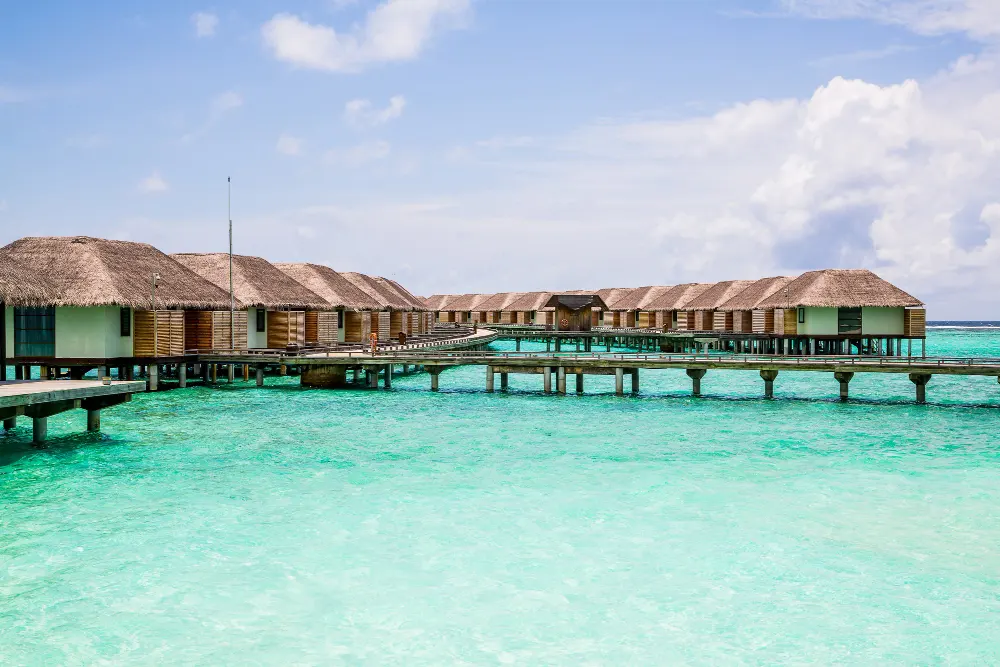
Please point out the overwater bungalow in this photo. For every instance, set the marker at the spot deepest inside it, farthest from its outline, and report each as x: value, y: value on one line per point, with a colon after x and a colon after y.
x: 748, y: 316
x: 705, y: 305
x: 274, y: 305
x: 416, y: 320
x: 105, y: 300
x: 388, y: 321
x: 353, y: 306
x: 572, y: 312
x: 531, y: 309
x: 437, y: 303
x: 19, y: 288
x: 496, y: 307
x: 465, y: 308
x: 840, y: 310
x: 670, y: 308
x: 610, y: 295
x: 631, y: 310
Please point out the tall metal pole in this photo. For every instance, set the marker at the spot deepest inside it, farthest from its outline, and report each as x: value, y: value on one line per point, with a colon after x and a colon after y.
x: 3, y: 341
x: 152, y: 299
x: 232, y: 299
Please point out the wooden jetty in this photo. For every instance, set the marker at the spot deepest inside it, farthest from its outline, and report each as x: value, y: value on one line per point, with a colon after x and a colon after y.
x: 40, y: 399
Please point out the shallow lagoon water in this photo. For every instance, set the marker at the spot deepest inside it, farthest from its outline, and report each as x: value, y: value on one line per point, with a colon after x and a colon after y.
x: 286, y: 526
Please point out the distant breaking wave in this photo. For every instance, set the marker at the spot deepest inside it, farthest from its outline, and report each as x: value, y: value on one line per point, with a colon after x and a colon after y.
x: 964, y: 325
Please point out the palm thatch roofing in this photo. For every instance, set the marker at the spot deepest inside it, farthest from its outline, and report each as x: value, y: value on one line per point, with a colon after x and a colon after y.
x: 529, y: 302
x: 610, y: 295
x: 465, y: 303
x: 84, y: 271
x: 500, y: 301
x: 21, y: 287
x: 839, y: 288
x: 415, y: 301
x: 334, y: 288
x: 717, y: 294
x: 256, y: 282
x: 575, y: 301
x: 380, y: 291
x: 759, y: 290
x: 678, y: 298
x: 640, y: 298
x: 439, y: 301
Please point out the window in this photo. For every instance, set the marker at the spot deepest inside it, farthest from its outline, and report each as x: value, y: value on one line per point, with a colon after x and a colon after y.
x: 35, y: 332
x: 849, y: 320
x: 126, y: 321
x: 340, y: 319
x: 802, y: 315
x: 261, y: 320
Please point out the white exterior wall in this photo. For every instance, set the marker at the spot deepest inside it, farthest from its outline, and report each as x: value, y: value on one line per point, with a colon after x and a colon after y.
x: 882, y: 321
x: 90, y: 332
x: 255, y: 340
x: 819, y: 322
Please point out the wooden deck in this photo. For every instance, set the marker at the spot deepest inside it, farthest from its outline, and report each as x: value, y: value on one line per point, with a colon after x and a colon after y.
x: 40, y: 399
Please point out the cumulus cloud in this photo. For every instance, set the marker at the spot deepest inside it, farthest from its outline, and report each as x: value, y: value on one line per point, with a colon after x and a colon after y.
x: 153, y: 184
x: 289, y: 145
x: 394, y: 31
x: 204, y: 23
x: 360, y: 113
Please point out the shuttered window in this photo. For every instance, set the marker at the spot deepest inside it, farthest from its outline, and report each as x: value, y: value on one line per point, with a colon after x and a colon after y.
x: 261, y: 320
x: 35, y: 332
x: 126, y: 321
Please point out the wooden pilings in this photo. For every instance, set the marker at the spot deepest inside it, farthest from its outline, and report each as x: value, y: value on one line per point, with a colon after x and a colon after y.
x: 696, y: 374
x: 920, y: 380
x: 182, y: 375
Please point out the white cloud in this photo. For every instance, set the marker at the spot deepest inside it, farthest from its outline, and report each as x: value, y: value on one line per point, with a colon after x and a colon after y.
x: 153, y: 184
x: 864, y: 55
x: 394, y: 31
x: 204, y: 23
x: 358, y: 155
x: 226, y: 102
x: 979, y: 19
x: 289, y: 145
x: 360, y: 113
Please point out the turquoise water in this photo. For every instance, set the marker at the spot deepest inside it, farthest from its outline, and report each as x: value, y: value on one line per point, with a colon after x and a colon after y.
x: 287, y: 526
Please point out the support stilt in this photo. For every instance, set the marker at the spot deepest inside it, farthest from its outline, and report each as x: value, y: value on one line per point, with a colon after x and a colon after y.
x: 489, y: 379
x: 154, y: 373
x: 579, y: 383
x: 10, y: 423
x: 93, y: 420
x: 504, y: 378
x: 768, y: 377
x: 39, y: 429
x: 182, y: 375
x: 388, y: 377
x: 434, y: 380
x: 561, y: 380
x: 619, y: 382
x: 696, y: 374
x: 547, y: 379
x: 920, y: 380
x: 844, y: 378
x: 635, y: 380
x: 260, y: 376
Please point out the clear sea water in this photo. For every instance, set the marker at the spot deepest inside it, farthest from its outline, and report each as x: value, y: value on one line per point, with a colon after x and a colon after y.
x: 286, y: 526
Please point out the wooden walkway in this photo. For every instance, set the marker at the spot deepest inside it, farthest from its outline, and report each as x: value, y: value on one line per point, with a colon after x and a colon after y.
x: 40, y: 399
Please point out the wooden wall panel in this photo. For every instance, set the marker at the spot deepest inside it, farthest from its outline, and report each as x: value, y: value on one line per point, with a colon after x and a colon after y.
x: 321, y: 327
x: 646, y: 320
x: 915, y: 322
x: 220, y: 329
x: 383, y: 325
x: 168, y: 333
x: 722, y: 321
x: 285, y: 328
x: 395, y: 324
x: 743, y: 321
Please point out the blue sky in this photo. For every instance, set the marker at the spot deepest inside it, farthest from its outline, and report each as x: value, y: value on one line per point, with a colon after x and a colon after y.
x: 465, y: 146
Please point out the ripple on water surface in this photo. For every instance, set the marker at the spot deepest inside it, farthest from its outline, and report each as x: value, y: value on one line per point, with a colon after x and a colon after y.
x: 237, y: 525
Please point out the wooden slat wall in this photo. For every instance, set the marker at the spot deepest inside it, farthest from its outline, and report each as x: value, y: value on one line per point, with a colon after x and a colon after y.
x: 507, y: 317
x: 383, y: 325
x: 220, y: 329
x: 786, y: 321
x: 285, y: 328
x: 357, y: 326
x: 169, y: 334
x: 686, y: 320
x: 703, y: 320
x: 646, y: 320
x: 395, y: 324
x: 428, y: 322
x: 321, y: 327
x: 915, y: 322
x: 743, y: 321
x: 722, y: 321
x: 198, y: 330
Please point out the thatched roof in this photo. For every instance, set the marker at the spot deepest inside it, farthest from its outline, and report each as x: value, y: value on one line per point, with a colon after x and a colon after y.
x: 380, y: 291
x: 717, y: 294
x: 438, y: 301
x: 839, y: 288
x: 500, y: 301
x: 677, y: 298
x: 610, y: 295
x: 755, y: 293
x: 465, y: 303
x: 334, y: 288
x: 256, y: 282
x: 415, y: 301
x: 639, y: 298
x: 21, y: 287
x: 529, y: 301
x: 84, y: 271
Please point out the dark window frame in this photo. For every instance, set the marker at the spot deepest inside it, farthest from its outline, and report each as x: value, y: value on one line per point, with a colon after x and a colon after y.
x: 39, y: 326
x: 125, y: 322
x: 261, y: 324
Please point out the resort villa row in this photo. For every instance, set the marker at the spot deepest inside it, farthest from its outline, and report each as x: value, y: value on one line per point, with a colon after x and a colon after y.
x: 826, y: 306
x: 83, y: 298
